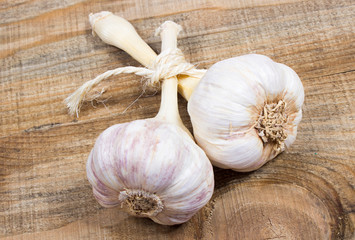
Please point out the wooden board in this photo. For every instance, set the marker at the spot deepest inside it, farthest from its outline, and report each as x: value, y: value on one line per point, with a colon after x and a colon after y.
x: 47, y: 51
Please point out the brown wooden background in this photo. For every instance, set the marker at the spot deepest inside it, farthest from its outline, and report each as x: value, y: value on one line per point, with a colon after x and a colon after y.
x: 47, y: 51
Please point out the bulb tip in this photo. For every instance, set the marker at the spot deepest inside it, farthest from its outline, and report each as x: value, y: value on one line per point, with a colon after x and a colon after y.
x: 94, y: 17
x: 168, y: 25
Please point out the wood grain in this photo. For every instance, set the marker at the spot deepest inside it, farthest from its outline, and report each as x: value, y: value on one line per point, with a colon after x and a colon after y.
x: 47, y: 51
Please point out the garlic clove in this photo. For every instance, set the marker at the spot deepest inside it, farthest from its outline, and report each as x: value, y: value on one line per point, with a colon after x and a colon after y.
x: 297, y: 118
x: 263, y: 71
x: 106, y: 196
x: 224, y: 124
x: 294, y: 91
x: 235, y: 77
x: 244, y: 146
x: 291, y: 135
x: 214, y: 110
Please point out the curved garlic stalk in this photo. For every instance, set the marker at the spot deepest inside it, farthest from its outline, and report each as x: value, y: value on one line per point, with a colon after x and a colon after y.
x: 244, y: 110
x: 152, y: 168
x: 118, y: 32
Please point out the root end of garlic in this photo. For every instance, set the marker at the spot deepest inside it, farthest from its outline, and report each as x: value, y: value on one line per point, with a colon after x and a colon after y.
x: 271, y: 124
x: 140, y: 203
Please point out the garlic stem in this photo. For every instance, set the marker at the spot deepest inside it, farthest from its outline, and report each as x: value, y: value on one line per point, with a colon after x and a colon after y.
x: 169, y: 110
x: 118, y: 32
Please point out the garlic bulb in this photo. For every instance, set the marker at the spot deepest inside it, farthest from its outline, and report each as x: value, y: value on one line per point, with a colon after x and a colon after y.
x: 245, y: 111
x: 152, y: 168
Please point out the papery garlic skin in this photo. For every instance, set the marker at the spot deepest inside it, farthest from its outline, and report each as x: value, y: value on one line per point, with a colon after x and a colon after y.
x: 226, y: 105
x: 155, y: 158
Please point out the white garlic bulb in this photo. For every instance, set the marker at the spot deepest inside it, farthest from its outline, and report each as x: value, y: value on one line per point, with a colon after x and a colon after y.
x: 152, y: 168
x: 245, y: 111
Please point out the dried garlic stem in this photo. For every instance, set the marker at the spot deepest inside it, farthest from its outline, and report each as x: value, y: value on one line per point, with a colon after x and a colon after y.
x: 118, y: 32
x: 169, y: 110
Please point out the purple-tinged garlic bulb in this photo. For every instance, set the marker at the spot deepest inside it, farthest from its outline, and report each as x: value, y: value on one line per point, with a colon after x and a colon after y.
x: 245, y: 111
x: 152, y: 168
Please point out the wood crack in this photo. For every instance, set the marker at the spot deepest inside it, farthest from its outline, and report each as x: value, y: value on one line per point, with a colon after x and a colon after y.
x: 42, y: 127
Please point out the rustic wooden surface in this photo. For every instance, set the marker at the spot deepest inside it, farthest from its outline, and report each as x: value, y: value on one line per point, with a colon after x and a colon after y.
x: 47, y: 51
